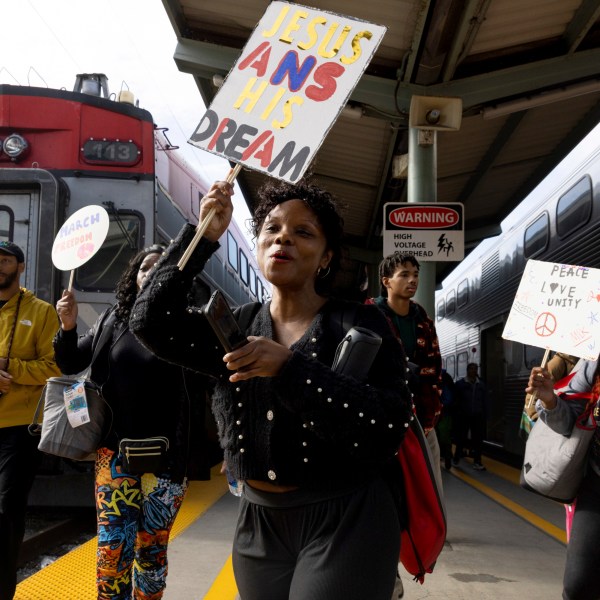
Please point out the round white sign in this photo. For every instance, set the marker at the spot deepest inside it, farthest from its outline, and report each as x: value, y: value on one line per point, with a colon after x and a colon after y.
x: 80, y: 237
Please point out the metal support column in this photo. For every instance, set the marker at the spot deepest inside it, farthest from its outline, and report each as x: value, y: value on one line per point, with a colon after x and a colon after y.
x: 422, y: 187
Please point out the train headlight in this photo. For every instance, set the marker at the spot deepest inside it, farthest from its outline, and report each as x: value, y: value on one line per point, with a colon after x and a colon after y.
x: 15, y: 145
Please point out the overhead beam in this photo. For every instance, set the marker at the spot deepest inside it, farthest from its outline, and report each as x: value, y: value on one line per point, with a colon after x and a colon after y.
x: 415, y: 44
x: 489, y: 158
x: 205, y: 60
x: 585, y: 16
x: 569, y: 142
x: 472, y: 17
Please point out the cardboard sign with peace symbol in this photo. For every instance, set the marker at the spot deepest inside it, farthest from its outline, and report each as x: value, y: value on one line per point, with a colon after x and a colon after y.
x: 557, y: 307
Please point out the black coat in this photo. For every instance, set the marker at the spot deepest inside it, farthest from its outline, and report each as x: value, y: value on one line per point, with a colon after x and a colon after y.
x: 159, y: 399
x: 308, y: 426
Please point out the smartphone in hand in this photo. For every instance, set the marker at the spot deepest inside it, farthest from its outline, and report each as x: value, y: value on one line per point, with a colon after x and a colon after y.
x: 221, y: 319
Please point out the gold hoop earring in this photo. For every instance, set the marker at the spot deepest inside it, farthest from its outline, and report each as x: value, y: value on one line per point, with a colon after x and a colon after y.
x: 321, y: 274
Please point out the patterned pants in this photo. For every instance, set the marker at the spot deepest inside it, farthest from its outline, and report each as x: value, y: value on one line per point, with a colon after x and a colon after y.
x: 135, y: 515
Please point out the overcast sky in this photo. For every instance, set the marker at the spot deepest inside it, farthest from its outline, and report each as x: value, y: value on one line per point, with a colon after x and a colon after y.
x: 48, y: 42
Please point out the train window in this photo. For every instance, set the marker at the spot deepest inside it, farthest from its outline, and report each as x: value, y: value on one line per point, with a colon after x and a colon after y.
x: 6, y: 223
x: 440, y: 310
x: 103, y: 270
x: 461, y: 367
x: 451, y: 366
x: 462, y: 293
x: 243, y: 267
x: 574, y: 208
x: 533, y: 356
x: 232, y: 251
x: 513, y: 357
x: 252, y: 280
x: 536, y: 236
x: 450, y: 302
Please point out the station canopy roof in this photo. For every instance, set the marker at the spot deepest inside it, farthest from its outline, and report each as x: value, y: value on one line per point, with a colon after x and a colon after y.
x: 527, y: 71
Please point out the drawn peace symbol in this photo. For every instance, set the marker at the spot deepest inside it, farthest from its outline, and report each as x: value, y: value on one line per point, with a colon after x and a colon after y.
x: 545, y: 324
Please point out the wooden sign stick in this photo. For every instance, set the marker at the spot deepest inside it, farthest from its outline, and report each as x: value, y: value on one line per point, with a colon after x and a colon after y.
x: 533, y: 396
x: 71, y: 279
x: 205, y: 222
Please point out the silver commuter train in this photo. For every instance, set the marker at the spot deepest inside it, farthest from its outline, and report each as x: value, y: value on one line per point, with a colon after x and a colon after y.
x: 558, y: 222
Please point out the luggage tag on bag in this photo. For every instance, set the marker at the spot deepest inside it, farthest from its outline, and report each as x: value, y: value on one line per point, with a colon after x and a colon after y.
x: 76, y: 404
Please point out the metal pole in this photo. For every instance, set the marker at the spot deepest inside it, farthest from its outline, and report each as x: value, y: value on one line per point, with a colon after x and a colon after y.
x: 422, y: 187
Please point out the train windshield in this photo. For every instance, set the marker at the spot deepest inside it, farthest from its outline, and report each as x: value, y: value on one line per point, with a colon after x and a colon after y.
x: 122, y: 243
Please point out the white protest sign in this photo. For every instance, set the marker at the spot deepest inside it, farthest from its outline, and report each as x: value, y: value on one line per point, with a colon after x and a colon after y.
x: 80, y: 237
x: 557, y: 307
x: 286, y: 90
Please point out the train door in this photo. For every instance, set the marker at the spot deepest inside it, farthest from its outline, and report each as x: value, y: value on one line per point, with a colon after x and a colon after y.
x: 492, y: 372
x: 19, y: 223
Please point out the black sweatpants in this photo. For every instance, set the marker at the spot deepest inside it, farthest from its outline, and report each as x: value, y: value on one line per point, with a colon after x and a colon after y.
x: 580, y: 580
x: 19, y: 460
x: 306, y: 546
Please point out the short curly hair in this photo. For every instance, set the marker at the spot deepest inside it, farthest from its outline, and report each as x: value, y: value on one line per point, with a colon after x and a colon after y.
x: 323, y: 204
x: 389, y: 265
x: 126, y: 290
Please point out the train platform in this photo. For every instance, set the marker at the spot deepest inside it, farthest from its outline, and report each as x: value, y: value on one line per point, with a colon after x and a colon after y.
x: 503, y: 543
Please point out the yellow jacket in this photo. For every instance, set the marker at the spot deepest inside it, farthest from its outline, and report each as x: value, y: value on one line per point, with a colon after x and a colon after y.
x: 31, y: 359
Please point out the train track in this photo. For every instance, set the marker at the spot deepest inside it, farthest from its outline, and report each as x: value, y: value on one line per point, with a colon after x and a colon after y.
x: 50, y: 533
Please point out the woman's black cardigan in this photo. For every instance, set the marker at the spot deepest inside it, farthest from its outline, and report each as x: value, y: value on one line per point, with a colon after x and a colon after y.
x: 308, y: 426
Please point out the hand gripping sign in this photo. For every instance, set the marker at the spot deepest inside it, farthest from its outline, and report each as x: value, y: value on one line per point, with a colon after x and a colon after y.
x: 80, y: 238
x: 287, y: 89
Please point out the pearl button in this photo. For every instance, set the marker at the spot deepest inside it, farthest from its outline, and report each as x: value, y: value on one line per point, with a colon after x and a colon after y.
x: 272, y: 475
x: 270, y: 415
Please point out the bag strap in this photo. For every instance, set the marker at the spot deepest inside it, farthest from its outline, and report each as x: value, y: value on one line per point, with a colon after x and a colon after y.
x: 14, y: 327
x: 344, y: 317
x: 34, y: 428
x: 246, y: 314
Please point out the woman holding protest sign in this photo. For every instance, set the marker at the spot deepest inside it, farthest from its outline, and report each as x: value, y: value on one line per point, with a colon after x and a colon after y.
x: 559, y: 409
x: 315, y: 448
x: 151, y: 402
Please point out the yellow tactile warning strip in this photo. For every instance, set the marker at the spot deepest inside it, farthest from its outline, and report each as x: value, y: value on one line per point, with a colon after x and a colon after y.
x: 72, y: 576
x: 511, y: 474
x: 224, y: 587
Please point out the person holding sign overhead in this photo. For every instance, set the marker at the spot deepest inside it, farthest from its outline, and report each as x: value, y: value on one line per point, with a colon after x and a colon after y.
x: 136, y: 505
x: 27, y: 325
x: 559, y: 409
x: 314, y: 448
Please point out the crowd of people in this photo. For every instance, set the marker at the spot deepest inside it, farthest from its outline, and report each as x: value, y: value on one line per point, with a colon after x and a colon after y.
x: 313, y: 446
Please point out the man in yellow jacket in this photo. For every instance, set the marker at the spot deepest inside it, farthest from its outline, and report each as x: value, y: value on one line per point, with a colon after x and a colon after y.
x: 27, y: 326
